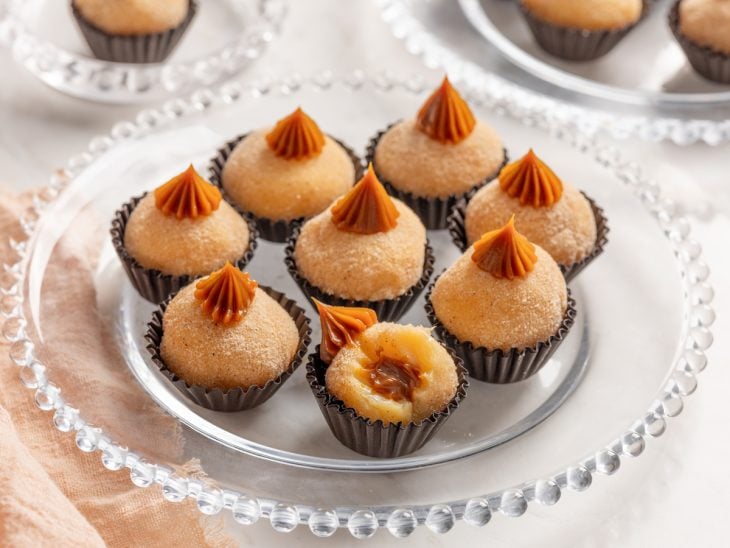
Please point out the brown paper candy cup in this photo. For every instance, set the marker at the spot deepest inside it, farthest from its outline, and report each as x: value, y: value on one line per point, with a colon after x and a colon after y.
x: 497, y: 366
x: 574, y: 44
x: 269, y: 229
x: 457, y: 229
x: 434, y: 211
x: 709, y: 63
x: 373, y: 438
x: 388, y: 310
x: 141, y: 48
x: 152, y: 284
x: 235, y: 399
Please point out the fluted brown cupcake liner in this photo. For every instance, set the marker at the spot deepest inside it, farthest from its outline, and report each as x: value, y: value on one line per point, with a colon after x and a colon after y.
x: 235, y: 399
x: 457, y: 229
x: 150, y: 283
x: 706, y: 61
x: 140, y: 48
x: 277, y: 231
x: 574, y: 44
x: 373, y: 438
x: 388, y: 310
x: 498, y: 366
x: 433, y: 211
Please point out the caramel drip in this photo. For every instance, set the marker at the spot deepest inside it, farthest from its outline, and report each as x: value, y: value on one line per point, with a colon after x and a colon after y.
x: 296, y: 137
x: 445, y: 116
x: 340, y: 325
x: 532, y: 181
x: 226, y: 294
x: 394, y: 379
x: 187, y: 195
x: 505, y: 253
x: 366, y: 209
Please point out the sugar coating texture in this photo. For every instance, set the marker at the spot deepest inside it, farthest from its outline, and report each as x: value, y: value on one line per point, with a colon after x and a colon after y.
x: 706, y: 22
x: 185, y: 246
x: 275, y: 188
x: 437, y: 381
x: 498, y: 313
x: 367, y: 267
x: 566, y: 230
x: 413, y: 162
x: 586, y: 14
x: 130, y: 17
x: 249, y: 353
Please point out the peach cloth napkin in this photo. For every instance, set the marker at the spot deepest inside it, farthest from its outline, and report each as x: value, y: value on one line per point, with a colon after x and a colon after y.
x: 52, y: 494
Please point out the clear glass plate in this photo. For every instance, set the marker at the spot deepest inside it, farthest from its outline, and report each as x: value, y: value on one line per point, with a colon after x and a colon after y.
x: 224, y: 37
x: 625, y: 368
x: 644, y: 88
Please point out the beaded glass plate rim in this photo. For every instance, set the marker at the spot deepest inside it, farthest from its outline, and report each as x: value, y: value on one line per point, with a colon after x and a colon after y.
x: 126, y: 82
x: 363, y: 522
x: 424, y: 44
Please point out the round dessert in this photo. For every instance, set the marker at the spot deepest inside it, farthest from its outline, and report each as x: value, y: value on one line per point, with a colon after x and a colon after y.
x: 288, y: 172
x: 552, y: 214
x: 184, y: 228
x: 367, y: 247
x: 702, y: 28
x: 224, y: 332
x: 506, y: 297
x: 586, y: 14
x: 384, y: 388
x: 394, y: 374
x: 504, y: 293
x: 125, y: 17
x: 439, y: 156
x: 133, y: 31
x: 581, y: 30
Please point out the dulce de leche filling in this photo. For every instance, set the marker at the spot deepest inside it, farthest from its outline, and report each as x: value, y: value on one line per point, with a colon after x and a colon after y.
x: 445, y: 116
x: 187, y: 196
x: 531, y: 181
x: 296, y: 137
x: 366, y: 209
x: 340, y: 326
x: 226, y: 294
x: 505, y: 253
x: 392, y: 378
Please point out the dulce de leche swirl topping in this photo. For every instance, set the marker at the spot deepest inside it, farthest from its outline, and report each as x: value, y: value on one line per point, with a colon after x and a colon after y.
x: 445, y: 116
x: 187, y: 196
x: 340, y: 326
x: 296, y: 137
x: 532, y: 181
x: 392, y: 378
x: 366, y: 208
x: 226, y: 294
x: 505, y: 253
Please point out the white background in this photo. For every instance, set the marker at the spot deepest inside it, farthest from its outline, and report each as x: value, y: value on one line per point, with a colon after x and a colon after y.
x: 675, y: 494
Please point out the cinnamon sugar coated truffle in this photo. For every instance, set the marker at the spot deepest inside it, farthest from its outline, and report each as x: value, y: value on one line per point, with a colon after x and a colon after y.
x: 279, y: 188
x: 131, y: 17
x: 414, y: 162
x: 586, y: 14
x: 566, y: 230
x: 433, y: 378
x: 185, y: 246
x: 706, y: 22
x: 501, y: 313
x: 252, y: 351
x: 356, y: 266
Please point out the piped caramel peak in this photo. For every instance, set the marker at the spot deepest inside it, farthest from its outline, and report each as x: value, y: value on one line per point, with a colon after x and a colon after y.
x: 340, y: 325
x: 366, y: 209
x: 532, y: 181
x: 296, y: 137
x: 187, y: 196
x: 505, y: 253
x: 226, y: 294
x: 445, y: 116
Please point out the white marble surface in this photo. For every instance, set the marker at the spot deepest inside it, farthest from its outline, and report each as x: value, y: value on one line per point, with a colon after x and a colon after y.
x: 675, y: 494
